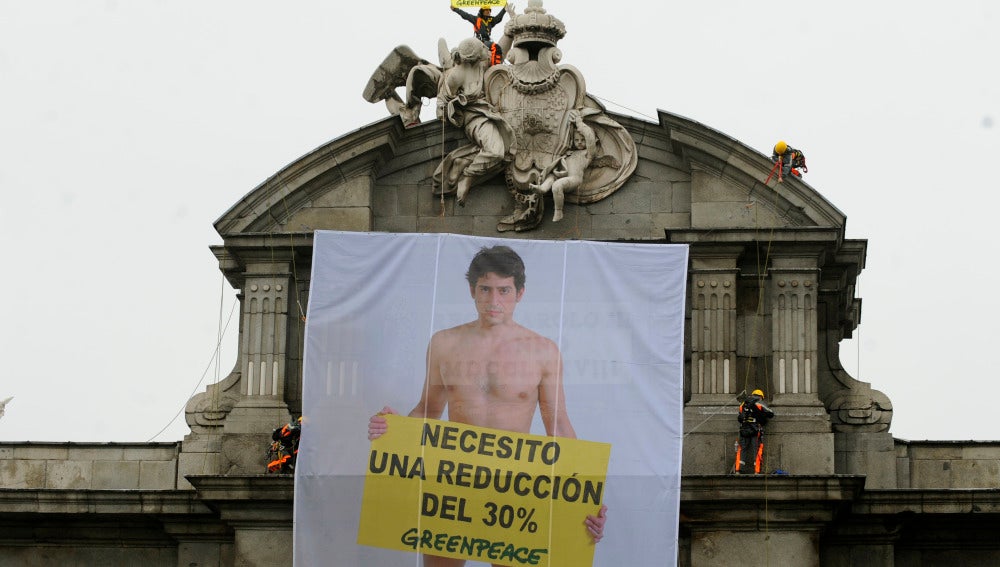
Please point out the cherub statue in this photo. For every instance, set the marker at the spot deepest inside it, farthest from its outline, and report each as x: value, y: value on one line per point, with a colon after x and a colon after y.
x: 565, y: 175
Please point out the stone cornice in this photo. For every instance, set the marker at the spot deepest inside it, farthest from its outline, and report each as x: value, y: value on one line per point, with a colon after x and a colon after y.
x: 243, y: 488
x: 929, y: 501
x: 101, y: 502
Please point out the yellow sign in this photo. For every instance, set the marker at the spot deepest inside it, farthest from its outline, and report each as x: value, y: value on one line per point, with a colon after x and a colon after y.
x: 455, y: 490
x: 477, y: 4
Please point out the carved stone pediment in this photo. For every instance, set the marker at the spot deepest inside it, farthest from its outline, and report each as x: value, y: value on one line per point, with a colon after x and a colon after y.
x: 520, y: 118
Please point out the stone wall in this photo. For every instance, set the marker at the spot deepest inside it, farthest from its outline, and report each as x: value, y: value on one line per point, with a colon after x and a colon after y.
x: 94, y: 466
x: 948, y: 464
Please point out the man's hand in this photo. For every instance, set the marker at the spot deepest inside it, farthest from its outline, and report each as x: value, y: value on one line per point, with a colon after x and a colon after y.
x: 595, y: 524
x: 377, y: 425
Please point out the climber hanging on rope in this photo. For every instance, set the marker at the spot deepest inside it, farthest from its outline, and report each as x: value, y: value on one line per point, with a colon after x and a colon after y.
x: 753, y: 415
x: 284, y: 448
x: 482, y: 28
x: 787, y: 161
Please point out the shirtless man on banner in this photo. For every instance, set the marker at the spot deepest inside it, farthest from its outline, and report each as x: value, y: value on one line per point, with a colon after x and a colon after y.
x: 493, y: 372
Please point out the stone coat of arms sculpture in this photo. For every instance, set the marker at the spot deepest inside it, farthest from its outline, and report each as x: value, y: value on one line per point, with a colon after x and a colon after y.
x: 530, y: 118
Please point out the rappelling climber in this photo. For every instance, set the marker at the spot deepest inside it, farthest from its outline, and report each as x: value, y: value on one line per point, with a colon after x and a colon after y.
x: 482, y: 28
x: 753, y: 415
x: 789, y: 160
x: 284, y: 450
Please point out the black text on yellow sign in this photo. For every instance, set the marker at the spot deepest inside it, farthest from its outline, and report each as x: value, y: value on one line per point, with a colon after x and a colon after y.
x: 456, y: 490
x: 476, y: 4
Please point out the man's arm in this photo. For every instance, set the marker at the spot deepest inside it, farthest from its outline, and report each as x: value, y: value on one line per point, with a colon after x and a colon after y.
x: 465, y: 16
x: 764, y: 409
x: 551, y: 396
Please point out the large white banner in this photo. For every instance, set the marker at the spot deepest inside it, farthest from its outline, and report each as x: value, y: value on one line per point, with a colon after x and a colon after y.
x: 614, y: 313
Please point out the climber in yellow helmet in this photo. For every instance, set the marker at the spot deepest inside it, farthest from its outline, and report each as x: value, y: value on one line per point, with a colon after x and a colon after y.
x: 753, y: 415
x: 791, y: 160
x: 482, y: 27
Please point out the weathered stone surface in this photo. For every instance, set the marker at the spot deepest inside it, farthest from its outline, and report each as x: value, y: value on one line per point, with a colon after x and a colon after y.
x: 22, y: 473
x: 121, y: 475
x: 332, y: 218
x: 68, y: 474
x: 354, y: 192
x: 157, y: 475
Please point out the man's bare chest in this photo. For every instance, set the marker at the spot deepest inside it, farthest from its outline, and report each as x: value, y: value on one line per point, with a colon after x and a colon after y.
x: 492, y: 368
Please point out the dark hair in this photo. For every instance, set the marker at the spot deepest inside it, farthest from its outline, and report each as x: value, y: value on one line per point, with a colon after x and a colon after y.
x: 501, y: 260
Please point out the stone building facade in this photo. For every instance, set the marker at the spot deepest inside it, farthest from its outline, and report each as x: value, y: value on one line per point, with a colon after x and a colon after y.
x: 771, y: 296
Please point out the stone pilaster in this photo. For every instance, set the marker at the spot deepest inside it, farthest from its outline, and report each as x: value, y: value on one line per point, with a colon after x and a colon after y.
x: 263, y: 352
x: 799, y: 440
x: 709, y: 415
x: 263, y: 363
x: 794, y: 286
x: 713, y: 323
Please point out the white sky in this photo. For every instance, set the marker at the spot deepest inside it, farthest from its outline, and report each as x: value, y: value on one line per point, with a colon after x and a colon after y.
x: 127, y: 128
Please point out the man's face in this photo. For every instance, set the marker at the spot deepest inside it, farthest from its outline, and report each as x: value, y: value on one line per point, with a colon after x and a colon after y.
x: 487, y: 12
x: 496, y: 297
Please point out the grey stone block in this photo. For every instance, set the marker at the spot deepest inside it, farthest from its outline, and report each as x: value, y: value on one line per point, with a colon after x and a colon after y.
x: 637, y: 199
x: 68, y: 474
x: 201, y: 443
x: 196, y: 464
x: 41, y: 452
x: 670, y: 221
x: 406, y: 198
x: 990, y: 452
x: 99, y: 453
x: 349, y: 218
x: 661, y: 196
x: 709, y: 453
x: 22, y: 473
x: 116, y: 475
x: 384, y: 202
x: 975, y: 474
x: 729, y: 215
x: 682, y: 197
x: 806, y: 453
x: 602, y: 207
x: 396, y: 224
x: 925, y: 473
x: 355, y: 192
x: 159, y: 475
x: 166, y: 452
x: 707, y: 188
x: 722, y: 548
x: 430, y: 205
x: 487, y: 200
x: 450, y: 224
x: 623, y: 226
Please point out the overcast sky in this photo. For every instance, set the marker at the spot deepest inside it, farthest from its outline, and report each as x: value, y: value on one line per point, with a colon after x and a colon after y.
x: 127, y: 128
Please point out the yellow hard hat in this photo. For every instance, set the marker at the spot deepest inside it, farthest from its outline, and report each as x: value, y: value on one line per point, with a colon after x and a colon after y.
x: 758, y: 393
x: 780, y: 147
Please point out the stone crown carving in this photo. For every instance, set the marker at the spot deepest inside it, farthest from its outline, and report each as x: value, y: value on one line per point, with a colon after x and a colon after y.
x: 535, y: 25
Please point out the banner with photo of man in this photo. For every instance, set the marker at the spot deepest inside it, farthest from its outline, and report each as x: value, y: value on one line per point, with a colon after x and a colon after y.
x: 524, y: 400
